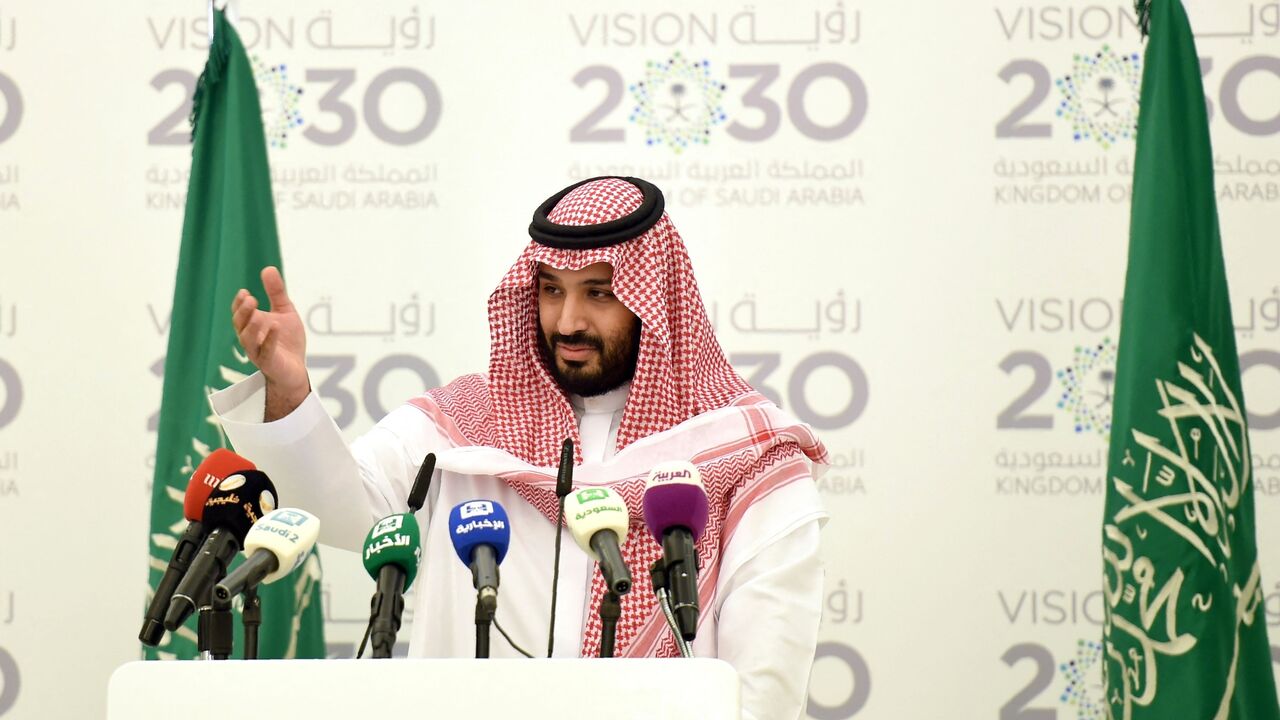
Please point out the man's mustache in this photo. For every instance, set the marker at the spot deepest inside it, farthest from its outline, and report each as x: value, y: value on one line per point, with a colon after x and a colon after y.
x: 579, y: 338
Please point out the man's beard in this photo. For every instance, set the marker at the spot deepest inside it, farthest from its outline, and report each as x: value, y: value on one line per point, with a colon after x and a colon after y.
x: 617, y: 362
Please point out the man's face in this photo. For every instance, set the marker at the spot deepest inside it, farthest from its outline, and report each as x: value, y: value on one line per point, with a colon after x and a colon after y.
x: 588, y: 338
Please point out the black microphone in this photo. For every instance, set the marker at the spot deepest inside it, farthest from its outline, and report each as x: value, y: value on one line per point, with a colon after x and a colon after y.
x: 233, y: 508
x: 564, y: 474
x: 219, y: 464
x: 422, y: 483
x: 564, y: 485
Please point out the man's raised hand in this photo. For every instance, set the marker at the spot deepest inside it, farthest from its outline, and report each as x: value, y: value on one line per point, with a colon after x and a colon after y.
x: 276, y: 342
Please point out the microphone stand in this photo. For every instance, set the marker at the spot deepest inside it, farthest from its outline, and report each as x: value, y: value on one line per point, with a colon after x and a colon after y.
x: 483, y: 620
x: 385, y: 610
x: 658, y: 574
x: 252, y: 618
x: 204, y: 628
x: 221, y: 625
x: 610, y: 611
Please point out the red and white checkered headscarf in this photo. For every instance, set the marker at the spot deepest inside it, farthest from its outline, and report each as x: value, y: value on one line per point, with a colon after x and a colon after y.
x: 681, y: 372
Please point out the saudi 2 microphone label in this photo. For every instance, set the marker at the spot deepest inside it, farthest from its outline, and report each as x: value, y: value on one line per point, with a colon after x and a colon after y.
x: 696, y: 84
x: 391, y: 99
x: 1073, y: 79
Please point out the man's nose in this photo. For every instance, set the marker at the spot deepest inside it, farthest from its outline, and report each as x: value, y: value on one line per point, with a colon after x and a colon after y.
x: 572, y: 316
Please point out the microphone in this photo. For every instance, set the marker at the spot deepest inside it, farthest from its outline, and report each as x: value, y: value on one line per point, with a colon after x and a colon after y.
x: 392, y: 552
x: 216, y: 466
x: 675, y: 510
x: 598, y: 519
x: 564, y: 485
x: 564, y: 473
x: 422, y: 483
x: 233, y: 507
x: 276, y: 545
x: 481, y: 533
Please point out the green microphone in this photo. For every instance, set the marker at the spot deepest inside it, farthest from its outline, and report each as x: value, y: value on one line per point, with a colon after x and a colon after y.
x: 391, y: 555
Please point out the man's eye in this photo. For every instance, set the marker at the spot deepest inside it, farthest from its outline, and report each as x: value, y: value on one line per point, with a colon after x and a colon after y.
x: 601, y: 294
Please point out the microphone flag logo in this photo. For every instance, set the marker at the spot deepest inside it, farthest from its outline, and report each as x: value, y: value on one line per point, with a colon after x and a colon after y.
x: 476, y: 507
x: 590, y: 494
x: 388, y: 524
x: 291, y: 518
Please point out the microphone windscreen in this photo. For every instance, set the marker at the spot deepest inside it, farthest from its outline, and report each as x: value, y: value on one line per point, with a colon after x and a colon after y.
x: 422, y: 483
x: 394, y: 540
x: 590, y: 510
x: 564, y: 475
x: 216, y: 466
x: 479, y: 522
x: 238, y: 501
x: 674, y: 497
x: 289, y: 534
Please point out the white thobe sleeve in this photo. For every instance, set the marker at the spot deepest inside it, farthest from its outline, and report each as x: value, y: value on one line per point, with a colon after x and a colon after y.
x: 768, y: 617
x: 305, y: 455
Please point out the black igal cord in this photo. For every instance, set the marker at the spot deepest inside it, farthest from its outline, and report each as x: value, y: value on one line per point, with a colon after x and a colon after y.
x: 564, y: 484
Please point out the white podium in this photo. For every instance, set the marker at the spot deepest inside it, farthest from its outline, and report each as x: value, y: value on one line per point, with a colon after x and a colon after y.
x: 674, y: 689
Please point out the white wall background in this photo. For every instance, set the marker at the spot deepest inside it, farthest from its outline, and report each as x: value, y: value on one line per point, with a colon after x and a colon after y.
x: 892, y: 224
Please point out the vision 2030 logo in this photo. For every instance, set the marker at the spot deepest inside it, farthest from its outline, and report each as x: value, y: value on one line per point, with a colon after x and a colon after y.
x: 1100, y: 96
x: 280, y: 100
x: 1084, y: 681
x: 1087, y: 385
x: 678, y: 103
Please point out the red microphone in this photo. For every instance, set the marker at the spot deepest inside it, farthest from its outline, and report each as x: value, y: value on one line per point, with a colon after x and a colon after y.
x: 217, y: 465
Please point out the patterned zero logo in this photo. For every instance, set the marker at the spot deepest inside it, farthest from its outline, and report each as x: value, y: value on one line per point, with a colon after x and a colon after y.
x: 861, y: 683
x: 12, y: 108
x: 9, y: 681
x: 333, y: 389
x: 1248, y: 361
x: 763, y: 365
x: 12, y: 393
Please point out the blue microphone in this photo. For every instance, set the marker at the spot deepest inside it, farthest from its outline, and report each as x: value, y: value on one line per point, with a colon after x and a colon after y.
x: 481, y: 533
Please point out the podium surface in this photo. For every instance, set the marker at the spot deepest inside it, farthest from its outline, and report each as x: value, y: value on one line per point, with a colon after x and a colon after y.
x: 559, y: 689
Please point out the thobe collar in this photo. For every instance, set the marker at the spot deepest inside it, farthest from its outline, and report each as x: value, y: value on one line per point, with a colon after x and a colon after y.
x: 610, y: 402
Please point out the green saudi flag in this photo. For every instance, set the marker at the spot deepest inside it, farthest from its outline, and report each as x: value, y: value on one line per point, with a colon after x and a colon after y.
x: 1185, y: 634
x: 228, y: 236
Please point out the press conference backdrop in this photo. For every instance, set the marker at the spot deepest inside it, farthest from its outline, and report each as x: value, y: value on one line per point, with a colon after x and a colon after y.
x: 908, y: 229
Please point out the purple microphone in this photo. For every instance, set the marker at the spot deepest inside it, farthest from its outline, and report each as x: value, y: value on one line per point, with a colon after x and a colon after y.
x: 675, y: 509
